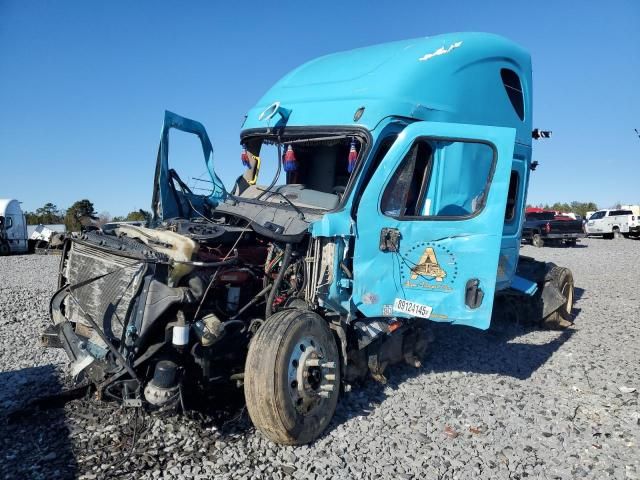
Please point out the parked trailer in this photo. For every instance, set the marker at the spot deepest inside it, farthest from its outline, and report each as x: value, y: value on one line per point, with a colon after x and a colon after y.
x: 406, y: 169
x: 13, y: 227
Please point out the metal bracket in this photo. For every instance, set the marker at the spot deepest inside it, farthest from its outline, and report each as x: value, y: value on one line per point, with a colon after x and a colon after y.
x: 389, y: 240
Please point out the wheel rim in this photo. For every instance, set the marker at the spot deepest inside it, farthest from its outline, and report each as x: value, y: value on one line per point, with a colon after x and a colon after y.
x: 567, y: 292
x: 311, y: 375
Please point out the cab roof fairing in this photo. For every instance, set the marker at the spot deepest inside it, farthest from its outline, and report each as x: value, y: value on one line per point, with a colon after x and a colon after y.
x: 446, y: 78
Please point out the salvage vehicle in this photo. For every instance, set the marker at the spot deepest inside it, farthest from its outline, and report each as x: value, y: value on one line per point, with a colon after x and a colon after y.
x: 13, y: 227
x: 544, y: 228
x: 404, y: 177
x: 44, y: 239
x: 613, y: 224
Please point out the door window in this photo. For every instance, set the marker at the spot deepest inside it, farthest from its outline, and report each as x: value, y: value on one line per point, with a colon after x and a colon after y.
x: 402, y: 196
x: 440, y: 179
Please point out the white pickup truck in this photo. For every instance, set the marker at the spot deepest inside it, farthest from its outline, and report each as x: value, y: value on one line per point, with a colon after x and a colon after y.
x: 613, y: 223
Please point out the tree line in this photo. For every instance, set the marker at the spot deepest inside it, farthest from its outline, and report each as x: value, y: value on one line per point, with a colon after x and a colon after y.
x: 579, y: 208
x: 81, y: 214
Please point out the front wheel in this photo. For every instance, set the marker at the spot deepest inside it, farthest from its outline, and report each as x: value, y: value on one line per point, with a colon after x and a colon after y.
x: 4, y: 249
x: 292, y: 377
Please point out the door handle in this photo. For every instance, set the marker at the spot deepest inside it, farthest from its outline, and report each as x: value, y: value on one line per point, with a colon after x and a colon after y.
x: 473, y: 294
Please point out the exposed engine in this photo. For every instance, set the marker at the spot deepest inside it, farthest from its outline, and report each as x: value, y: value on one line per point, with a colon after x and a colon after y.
x: 154, y: 313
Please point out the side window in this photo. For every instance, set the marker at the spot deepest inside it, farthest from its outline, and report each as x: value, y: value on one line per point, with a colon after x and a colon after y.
x: 513, y: 87
x: 512, y: 196
x: 9, y: 222
x: 383, y: 149
x: 402, y: 196
x: 440, y: 179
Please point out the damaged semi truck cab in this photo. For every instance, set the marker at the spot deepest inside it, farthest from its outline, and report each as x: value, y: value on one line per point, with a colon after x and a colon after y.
x: 402, y: 173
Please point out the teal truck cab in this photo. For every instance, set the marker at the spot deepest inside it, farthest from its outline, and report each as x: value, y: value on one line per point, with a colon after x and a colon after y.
x: 402, y: 173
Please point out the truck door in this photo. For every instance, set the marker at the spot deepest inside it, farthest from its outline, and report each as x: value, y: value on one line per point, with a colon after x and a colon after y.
x: 171, y: 195
x: 429, y: 224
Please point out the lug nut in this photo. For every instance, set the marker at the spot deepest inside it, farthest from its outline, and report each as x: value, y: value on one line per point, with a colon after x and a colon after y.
x: 312, y: 362
x: 327, y: 388
x: 329, y: 365
x: 330, y: 377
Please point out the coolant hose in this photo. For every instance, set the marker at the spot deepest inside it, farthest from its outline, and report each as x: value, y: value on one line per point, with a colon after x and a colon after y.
x: 276, y: 284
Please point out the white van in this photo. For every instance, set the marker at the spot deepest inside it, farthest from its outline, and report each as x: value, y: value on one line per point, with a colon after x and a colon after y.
x: 13, y: 227
x: 613, y: 223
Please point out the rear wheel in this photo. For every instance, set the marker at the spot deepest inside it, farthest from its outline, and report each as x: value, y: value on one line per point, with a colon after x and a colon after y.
x: 537, y: 240
x: 562, y: 279
x: 292, y: 377
x: 4, y: 249
x: 571, y: 242
x: 616, y: 233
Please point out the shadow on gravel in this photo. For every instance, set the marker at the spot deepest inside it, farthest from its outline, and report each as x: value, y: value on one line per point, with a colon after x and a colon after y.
x: 34, y: 445
x: 498, y: 351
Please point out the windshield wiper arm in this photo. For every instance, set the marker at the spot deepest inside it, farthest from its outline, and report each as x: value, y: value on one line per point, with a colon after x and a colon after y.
x: 293, y: 205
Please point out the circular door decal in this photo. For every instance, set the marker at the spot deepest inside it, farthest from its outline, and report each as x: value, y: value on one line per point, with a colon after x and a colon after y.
x: 428, y: 265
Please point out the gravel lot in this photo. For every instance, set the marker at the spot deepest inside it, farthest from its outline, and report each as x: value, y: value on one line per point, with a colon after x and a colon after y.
x: 513, y: 402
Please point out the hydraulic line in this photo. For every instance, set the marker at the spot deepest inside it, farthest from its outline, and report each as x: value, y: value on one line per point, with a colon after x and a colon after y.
x: 276, y: 284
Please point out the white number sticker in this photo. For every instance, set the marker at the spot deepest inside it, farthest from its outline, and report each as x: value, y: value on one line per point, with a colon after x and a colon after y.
x: 411, y: 308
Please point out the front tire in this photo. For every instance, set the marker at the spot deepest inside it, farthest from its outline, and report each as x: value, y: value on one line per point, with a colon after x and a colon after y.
x: 292, y: 377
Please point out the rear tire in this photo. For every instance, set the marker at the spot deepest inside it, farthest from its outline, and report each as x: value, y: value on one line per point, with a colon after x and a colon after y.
x: 292, y: 377
x: 572, y: 242
x: 616, y: 233
x: 562, y: 318
x: 4, y: 249
x: 537, y: 240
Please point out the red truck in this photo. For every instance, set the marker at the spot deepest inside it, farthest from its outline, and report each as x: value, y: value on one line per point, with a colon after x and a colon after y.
x: 544, y: 228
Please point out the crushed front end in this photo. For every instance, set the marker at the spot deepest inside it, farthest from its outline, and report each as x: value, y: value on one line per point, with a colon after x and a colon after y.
x: 127, y: 305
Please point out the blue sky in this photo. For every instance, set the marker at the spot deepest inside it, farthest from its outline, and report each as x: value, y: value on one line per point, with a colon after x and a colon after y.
x: 83, y: 85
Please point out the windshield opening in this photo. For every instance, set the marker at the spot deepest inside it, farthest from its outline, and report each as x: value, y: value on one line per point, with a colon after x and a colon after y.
x: 311, y: 170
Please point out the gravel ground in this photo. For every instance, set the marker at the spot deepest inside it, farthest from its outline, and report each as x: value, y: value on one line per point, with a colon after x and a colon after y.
x: 513, y: 402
